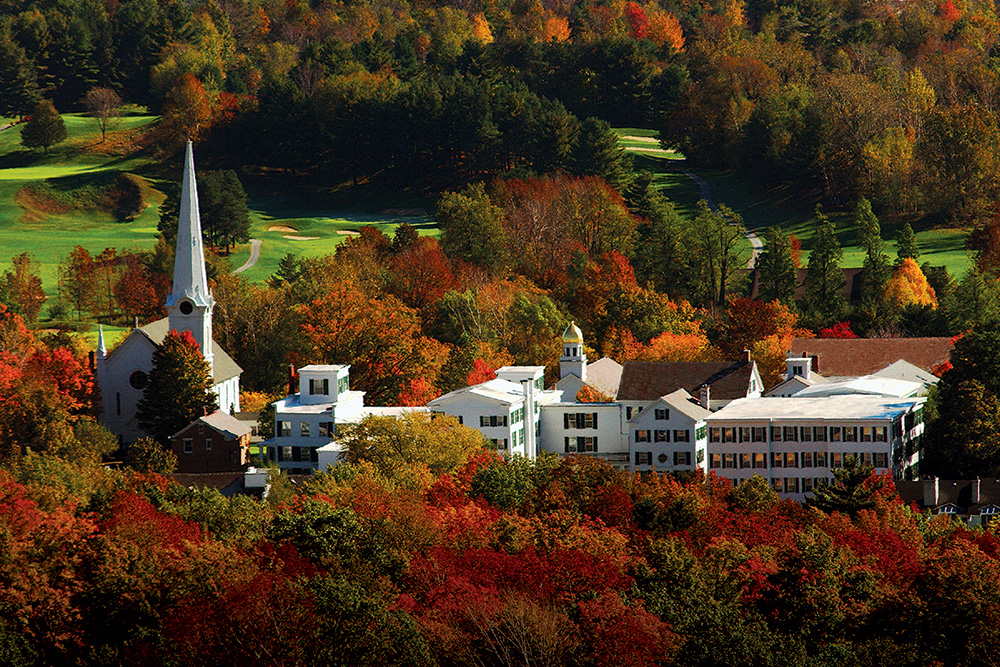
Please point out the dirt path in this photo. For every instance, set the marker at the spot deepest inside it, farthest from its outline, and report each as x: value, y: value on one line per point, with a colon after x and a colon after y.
x: 705, y: 192
x: 254, y: 256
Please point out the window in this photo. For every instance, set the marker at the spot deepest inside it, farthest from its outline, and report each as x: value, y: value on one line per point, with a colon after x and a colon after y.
x: 881, y: 434
x: 807, y: 459
x: 580, y: 444
x: 285, y: 453
x: 492, y: 420
x: 714, y: 460
x: 850, y: 434
x: 791, y: 434
x: 807, y: 484
x: 699, y: 433
x: 744, y: 433
x: 744, y: 460
x: 729, y: 434
x: 188, y: 445
x: 342, y: 385
x: 760, y: 460
x: 628, y: 412
x: 836, y: 460
x: 644, y: 458
x: 729, y: 460
x: 642, y: 436
x: 305, y: 453
x: 580, y: 420
x: 866, y: 433
x: 776, y: 485
x: 662, y: 458
x: 208, y: 444
x: 326, y: 429
x: 775, y: 434
x: 499, y: 443
x: 319, y: 386
x: 284, y: 429
x: 517, y: 416
x: 758, y: 434
x: 806, y: 434
x: 660, y: 436
x: 118, y: 401
x: 819, y: 433
x: 881, y: 460
x: 661, y: 414
x: 304, y: 429
x: 867, y: 459
x: 701, y: 455
x: 682, y: 458
x: 791, y: 460
x: 715, y: 434
x: 791, y: 485
x: 777, y: 459
x: 682, y: 435
x: 138, y: 380
x: 835, y: 434
x: 820, y: 458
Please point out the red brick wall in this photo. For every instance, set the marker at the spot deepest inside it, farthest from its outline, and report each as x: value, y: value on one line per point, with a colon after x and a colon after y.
x: 224, y: 455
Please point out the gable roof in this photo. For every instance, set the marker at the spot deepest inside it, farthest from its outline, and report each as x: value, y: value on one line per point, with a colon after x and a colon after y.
x: 865, y: 356
x: 684, y: 403
x: 649, y: 380
x: 219, y: 421
x: 605, y: 375
x: 223, y: 366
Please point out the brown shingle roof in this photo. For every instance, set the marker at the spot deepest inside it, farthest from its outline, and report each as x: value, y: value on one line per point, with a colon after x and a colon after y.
x: 648, y: 380
x: 861, y: 356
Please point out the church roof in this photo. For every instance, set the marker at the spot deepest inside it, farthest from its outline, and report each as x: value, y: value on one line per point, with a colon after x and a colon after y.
x: 223, y: 366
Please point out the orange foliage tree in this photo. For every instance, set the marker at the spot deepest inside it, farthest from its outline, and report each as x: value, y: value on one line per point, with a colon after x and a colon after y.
x: 908, y: 285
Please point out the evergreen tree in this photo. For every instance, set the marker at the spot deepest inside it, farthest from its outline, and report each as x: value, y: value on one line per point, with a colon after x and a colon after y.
x: 18, y: 80
x: 223, y: 206
x: 45, y: 128
x: 850, y: 494
x: 876, y: 268
x: 824, y: 277
x: 179, y: 389
x: 906, y: 244
x: 472, y: 227
x: 598, y: 153
x: 777, y: 271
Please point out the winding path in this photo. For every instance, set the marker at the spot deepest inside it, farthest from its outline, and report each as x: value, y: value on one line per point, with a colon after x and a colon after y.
x: 705, y: 192
x: 254, y: 256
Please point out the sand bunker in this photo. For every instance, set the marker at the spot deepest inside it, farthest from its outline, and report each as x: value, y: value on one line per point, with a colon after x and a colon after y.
x: 281, y: 228
x: 644, y: 140
x: 348, y: 232
x: 299, y: 238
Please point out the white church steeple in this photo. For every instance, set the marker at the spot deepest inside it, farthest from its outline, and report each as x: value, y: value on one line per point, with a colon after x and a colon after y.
x: 190, y: 304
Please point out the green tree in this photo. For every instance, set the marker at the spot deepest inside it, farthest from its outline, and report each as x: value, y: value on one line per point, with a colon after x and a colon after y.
x: 754, y: 495
x: 906, y: 244
x: 45, y: 127
x: 718, y: 250
x: 777, y: 271
x: 147, y: 455
x: 598, y: 153
x: 976, y: 302
x: 876, y: 268
x: 472, y: 227
x: 179, y: 389
x: 504, y: 483
x: 852, y: 491
x: 18, y: 80
x: 824, y: 277
x: 964, y: 440
x: 223, y: 206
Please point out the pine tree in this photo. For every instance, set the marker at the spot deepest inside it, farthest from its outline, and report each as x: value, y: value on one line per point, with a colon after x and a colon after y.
x: 598, y: 153
x: 777, y: 271
x: 45, y: 128
x: 906, y: 244
x: 850, y: 494
x: 876, y: 268
x: 179, y: 389
x: 18, y: 79
x: 824, y: 277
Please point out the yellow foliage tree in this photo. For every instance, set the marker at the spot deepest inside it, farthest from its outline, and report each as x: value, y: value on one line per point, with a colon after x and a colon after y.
x: 481, y: 29
x: 663, y: 28
x: 908, y: 285
x: 679, y: 347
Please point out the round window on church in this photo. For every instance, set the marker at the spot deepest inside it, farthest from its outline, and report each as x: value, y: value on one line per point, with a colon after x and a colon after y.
x: 662, y: 458
x: 138, y: 380
x: 186, y: 307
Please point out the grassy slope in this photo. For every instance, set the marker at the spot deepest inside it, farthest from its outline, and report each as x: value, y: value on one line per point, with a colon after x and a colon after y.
x: 782, y: 206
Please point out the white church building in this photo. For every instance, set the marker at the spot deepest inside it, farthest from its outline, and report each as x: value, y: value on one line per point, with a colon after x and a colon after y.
x: 123, y: 373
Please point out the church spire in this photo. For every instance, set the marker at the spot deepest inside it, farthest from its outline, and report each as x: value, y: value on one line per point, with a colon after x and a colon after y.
x: 190, y: 279
x: 189, y: 306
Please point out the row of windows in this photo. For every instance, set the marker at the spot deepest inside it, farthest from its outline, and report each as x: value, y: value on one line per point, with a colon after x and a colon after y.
x: 580, y: 444
x: 799, y: 434
x: 646, y: 458
x: 289, y: 453
x: 796, y: 459
x: 283, y: 429
x: 499, y: 443
x: 662, y: 435
x: 188, y: 444
x: 580, y: 420
x: 797, y: 484
x: 492, y: 420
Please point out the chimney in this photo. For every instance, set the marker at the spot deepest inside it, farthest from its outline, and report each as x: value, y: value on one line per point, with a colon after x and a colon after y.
x: 706, y: 396
x: 932, y: 491
x: 291, y: 379
x: 976, y: 491
x: 528, y: 387
x: 747, y: 357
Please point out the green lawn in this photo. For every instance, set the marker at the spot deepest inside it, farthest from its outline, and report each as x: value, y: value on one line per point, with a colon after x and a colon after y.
x: 766, y: 207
